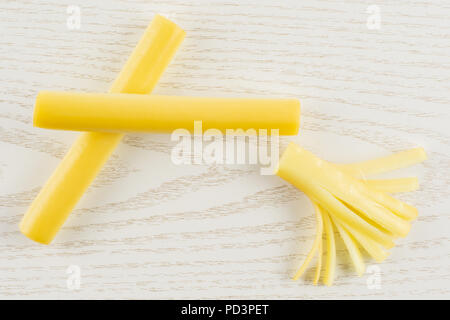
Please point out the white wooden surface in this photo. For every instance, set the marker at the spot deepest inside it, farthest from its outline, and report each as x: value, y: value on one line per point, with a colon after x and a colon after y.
x: 150, y: 229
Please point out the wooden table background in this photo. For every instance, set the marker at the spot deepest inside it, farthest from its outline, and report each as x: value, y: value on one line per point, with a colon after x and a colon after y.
x: 150, y: 229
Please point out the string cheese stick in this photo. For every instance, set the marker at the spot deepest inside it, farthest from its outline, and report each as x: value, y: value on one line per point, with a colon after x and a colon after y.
x: 330, y: 263
x: 392, y: 162
x: 317, y: 241
x: 361, y: 210
x: 352, y: 247
x: 145, y: 113
x: 393, y: 185
x: 84, y: 160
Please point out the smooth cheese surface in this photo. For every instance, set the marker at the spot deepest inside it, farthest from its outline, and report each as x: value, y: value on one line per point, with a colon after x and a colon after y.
x: 87, y: 155
x: 135, y: 112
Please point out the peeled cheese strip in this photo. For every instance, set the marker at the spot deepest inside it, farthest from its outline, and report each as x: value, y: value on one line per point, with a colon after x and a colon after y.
x: 371, y: 246
x: 357, y: 194
x: 354, y: 192
x: 392, y: 162
x: 330, y: 263
x: 352, y: 248
x: 317, y: 240
x: 151, y: 113
x: 305, y: 179
x: 393, y: 185
x: 319, y: 262
x: 87, y: 155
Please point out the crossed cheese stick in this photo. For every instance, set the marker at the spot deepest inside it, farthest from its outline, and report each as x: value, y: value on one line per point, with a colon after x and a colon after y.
x: 82, y: 163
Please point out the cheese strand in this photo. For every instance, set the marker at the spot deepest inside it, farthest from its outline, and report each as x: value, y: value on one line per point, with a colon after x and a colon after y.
x: 330, y: 263
x: 317, y: 240
x: 391, y: 162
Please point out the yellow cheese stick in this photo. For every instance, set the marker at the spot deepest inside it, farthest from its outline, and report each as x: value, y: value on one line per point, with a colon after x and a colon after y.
x: 84, y: 160
x: 145, y: 113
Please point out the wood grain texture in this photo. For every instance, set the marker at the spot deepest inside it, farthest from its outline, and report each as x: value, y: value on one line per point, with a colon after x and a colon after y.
x: 150, y: 229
